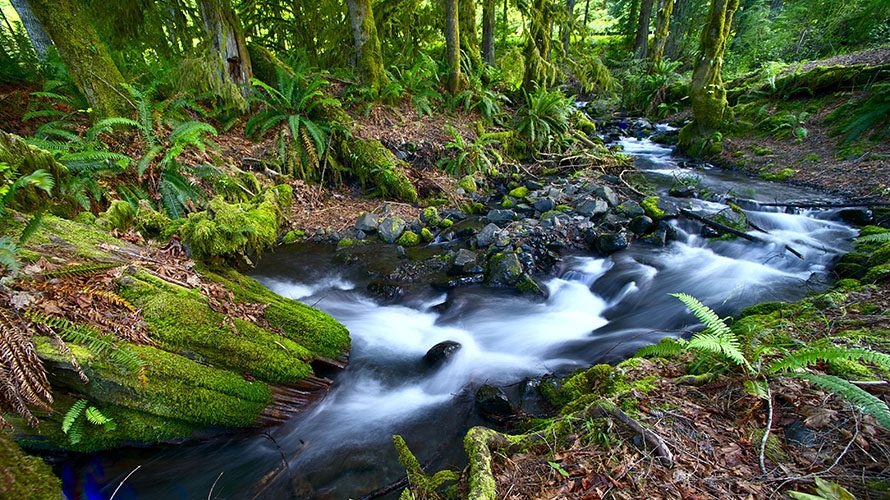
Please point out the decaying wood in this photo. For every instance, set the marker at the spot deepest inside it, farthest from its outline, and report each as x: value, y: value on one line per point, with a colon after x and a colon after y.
x: 726, y: 229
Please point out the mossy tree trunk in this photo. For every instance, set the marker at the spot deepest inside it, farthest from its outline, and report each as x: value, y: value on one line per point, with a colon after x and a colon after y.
x: 369, y: 59
x: 661, y: 31
x: 537, y: 46
x: 488, y: 9
x: 469, y: 41
x: 452, y: 45
x: 88, y: 60
x: 708, y: 95
x: 39, y: 39
x: 641, y: 42
x: 568, y: 25
x: 630, y: 22
x: 677, y: 30
x: 226, y: 36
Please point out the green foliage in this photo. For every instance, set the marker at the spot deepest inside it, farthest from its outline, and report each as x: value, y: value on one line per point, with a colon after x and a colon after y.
x: 666, y: 348
x: 543, y: 121
x: 864, y: 116
x: 420, y: 81
x: 377, y: 167
x: 486, y: 101
x: 644, y: 89
x: 825, y: 490
x: 87, y: 336
x: 12, y: 183
x: 874, y: 238
x: 869, y: 404
x: 717, y: 337
x: 71, y: 423
x: 294, y: 109
x: 471, y: 157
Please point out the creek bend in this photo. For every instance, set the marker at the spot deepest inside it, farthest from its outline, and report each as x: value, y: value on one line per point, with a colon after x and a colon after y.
x: 597, y: 310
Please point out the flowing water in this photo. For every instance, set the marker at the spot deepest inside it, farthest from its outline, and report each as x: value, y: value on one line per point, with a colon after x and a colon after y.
x: 597, y: 310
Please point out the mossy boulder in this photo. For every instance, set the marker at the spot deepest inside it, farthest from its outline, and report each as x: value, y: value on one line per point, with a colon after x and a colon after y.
x: 520, y: 193
x: 120, y: 215
x: 430, y: 216
x: 504, y: 269
x: 468, y: 184
x: 409, y: 239
x: 651, y: 208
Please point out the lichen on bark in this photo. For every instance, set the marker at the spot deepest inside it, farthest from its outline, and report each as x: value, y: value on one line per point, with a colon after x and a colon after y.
x: 369, y: 60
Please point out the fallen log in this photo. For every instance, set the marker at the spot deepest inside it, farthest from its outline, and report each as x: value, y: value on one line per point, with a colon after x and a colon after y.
x: 731, y: 230
x: 854, y: 204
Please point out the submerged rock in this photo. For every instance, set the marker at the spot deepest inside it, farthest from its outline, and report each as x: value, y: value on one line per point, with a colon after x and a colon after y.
x: 493, y: 404
x: 441, y: 352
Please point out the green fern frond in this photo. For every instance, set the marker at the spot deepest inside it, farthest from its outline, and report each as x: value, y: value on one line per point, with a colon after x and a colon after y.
x: 869, y: 404
x: 812, y: 355
x: 717, y: 337
x: 73, y: 414
x: 31, y: 227
x: 667, y: 348
x: 89, y: 337
x: 704, y: 314
x: 95, y: 417
x: 875, y: 238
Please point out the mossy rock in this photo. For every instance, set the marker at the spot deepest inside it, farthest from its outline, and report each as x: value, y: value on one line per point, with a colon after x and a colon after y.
x: 520, y: 193
x: 25, y: 476
x: 409, y: 239
x: 120, y: 215
x: 149, y: 221
x: 650, y: 207
x: 468, y: 184
x: 766, y: 308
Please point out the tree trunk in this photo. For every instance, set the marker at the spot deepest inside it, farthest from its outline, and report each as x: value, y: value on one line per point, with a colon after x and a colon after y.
x: 369, y: 60
x: 568, y: 25
x: 586, y: 11
x: 452, y: 46
x: 679, y: 24
x: 537, y: 46
x: 708, y: 94
x: 641, y: 42
x: 506, y: 24
x: 227, y: 40
x: 630, y: 24
x: 488, y: 31
x: 39, y: 39
x: 661, y: 31
x: 469, y: 41
x: 88, y: 60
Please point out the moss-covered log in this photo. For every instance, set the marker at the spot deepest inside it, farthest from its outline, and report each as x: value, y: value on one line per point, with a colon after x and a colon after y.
x: 85, y: 54
x: 478, y: 443
x: 815, y: 81
x: 24, y: 476
x: 368, y: 58
x: 376, y: 166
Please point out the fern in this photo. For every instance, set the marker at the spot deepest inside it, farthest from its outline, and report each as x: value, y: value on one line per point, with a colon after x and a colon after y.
x: 875, y: 238
x: 667, y: 348
x: 88, y: 336
x: 809, y: 356
x: 96, y: 417
x: 73, y: 414
x: 869, y: 404
x: 717, y: 337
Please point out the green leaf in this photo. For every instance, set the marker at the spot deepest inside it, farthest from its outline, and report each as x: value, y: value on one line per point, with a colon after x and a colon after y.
x: 869, y: 404
x: 558, y: 468
x: 72, y: 415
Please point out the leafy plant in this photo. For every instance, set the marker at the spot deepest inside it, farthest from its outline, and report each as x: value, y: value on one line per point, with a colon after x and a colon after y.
x: 825, y: 490
x: 10, y: 184
x: 471, y: 157
x: 294, y: 110
x: 543, y: 121
x: 768, y: 362
x: 645, y: 88
x: 72, y: 421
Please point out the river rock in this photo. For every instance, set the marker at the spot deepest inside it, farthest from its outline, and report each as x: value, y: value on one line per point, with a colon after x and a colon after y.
x: 486, y: 235
x: 366, y: 222
x: 441, y: 352
x: 630, y: 209
x: 640, y: 224
x: 544, y: 205
x: 606, y: 193
x: 464, y: 262
x: 683, y: 192
x: 709, y: 232
x: 504, y: 269
x: 595, y: 206
x: 387, y: 292
x: 857, y: 216
x: 501, y: 216
x: 391, y: 228
x: 493, y: 403
x: 610, y: 243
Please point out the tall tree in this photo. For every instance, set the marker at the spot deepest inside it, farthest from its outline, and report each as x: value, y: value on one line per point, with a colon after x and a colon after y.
x: 708, y: 95
x: 678, y: 26
x: 88, y: 60
x: 661, y: 31
x: 488, y: 9
x: 227, y: 40
x: 568, y: 25
x: 452, y: 45
x: 469, y: 41
x: 538, y: 71
x: 39, y: 39
x: 641, y: 42
x: 369, y: 60
x: 630, y: 22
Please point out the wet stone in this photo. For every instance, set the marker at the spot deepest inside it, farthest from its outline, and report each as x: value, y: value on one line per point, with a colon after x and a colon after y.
x: 493, y: 403
x: 391, y: 228
x: 611, y: 243
x: 441, y: 352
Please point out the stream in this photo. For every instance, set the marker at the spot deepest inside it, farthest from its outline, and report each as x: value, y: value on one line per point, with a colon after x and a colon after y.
x: 597, y: 310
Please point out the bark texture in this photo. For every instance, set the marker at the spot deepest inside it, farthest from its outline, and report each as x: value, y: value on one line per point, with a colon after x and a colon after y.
x: 488, y: 9
x: 538, y: 70
x: 452, y: 46
x: 227, y: 40
x: 641, y: 42
x: 88, y: 60
x: 469, y: 41
x: 369, y: 60
x: 661, y: 31
x: 39, y: 39
x: 568, y: 25
x: 677, y: 30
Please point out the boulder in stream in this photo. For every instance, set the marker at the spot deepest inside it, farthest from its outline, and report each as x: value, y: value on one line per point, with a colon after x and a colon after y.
x: 391, y: 228
x: 493, y: 404
x: 441, y: 352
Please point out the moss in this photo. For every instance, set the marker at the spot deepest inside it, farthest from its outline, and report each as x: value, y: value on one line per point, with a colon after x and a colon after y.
x: 507, y: 203
x: 85, y: 218
x: 74, y: 239
x: 238, y: 230
x: 877, y: 274
x: 880, y: 256
x: 311, y: 328
x: 293, y: 236
x: 520, y: 192
x: 848, y: 284
x: 766, y: 308
x: 468, y: 184
x: 849, y: 369
x: 781, y: 175
x: 446, y: 223
x: 598, y: 380
x: 773, y: 450
x: 149, y: 221
x: 25, y: 476
x: 430, y: 216
x: 527, y: 285
x: 870, y: 230
x: 180, y: 320
x: 409, y: 239
x: 375, y: 165
x: 426, y: 235
x: 562, y: 208
x: 650, y: 206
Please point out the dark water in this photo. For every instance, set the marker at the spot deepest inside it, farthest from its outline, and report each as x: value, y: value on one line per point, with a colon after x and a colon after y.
x: 597, y: 310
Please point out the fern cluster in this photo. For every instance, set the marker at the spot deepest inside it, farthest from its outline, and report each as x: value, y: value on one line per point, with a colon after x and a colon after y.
x: 72, y: 423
